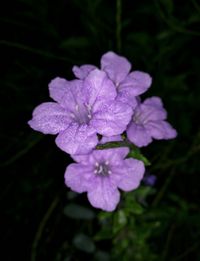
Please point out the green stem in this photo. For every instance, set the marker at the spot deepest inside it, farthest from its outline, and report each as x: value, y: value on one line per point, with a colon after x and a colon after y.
x: 22, y: 152
x: 187, y: 252
x: 163, y: 189
x: 34, y: 51
x: 116, y: 144
x: 118, y: 24
x: 173, y: 26
x: 41, y: 228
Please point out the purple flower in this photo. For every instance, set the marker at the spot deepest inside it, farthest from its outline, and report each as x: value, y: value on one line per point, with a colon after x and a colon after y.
x: 82, y: 108
x: 148, y: 122
x: 102, y: 173
x: 149, y: 179
x: 128, y: 84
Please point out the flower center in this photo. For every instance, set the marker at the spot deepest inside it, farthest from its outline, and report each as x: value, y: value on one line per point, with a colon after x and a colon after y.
x: 82, y: 114
x: 102, y: 169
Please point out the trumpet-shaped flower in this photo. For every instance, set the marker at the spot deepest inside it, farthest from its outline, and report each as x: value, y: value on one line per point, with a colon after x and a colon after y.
x: 102, y: 173
x: 82, y: 108
x: 149, y: 121
x: 128, y: 84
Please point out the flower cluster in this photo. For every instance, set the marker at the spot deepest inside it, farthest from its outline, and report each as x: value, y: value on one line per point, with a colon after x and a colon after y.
x: 95, y: 108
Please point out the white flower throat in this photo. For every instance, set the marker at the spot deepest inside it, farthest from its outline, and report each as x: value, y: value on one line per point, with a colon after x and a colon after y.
x: 102, y: 169
x: 82, y: 113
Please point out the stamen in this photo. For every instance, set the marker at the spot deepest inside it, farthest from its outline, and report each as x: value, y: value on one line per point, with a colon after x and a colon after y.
x: 72, y: 115
x: 100, y: 169
x: 76, y: 107
x: 88, y: 106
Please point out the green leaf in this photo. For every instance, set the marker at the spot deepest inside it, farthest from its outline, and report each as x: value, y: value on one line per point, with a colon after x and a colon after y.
x: 75, y: 43
x: 102, y: 256
x: 136, y: 154
x: 104, y: 233
x: 120, y: 221
x: 78, y: 212
x: 84, y: 243
x: 168, y: 6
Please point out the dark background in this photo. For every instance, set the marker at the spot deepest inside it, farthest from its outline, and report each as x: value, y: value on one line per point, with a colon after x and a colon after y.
x: 43, y: 39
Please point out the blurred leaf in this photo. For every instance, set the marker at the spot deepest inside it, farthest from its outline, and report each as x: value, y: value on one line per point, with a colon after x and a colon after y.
x: 101, y: 256
x: 120, y: 221
x: 104, y: 233
x: 84, y: 243
x: 168, y: 6
x: 78, y: 212
x: 136, y: 154
x: 75, y: 43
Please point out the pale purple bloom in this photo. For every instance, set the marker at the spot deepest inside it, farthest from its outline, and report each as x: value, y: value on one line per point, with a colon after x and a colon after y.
x: 102, y: 173
x: 148, y: 122
x: 82, y: 108
x: 128, y: 84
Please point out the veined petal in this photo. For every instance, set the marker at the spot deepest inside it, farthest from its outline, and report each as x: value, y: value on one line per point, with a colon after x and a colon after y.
x: 83, y: 71
x: 137, y: 81
x: 49, y: 118
x: 104, y: 195
x: 112, y: 118
x: 57, y: 88
x: 138, y: 135
x: 131, y: 173
x: 154, y: 101
x: 151, y: 113
x: 113, y: 156
x: 77, y: 177
x: 77, y: 139
x: 85, y: 159
x: 98, y: 87
x: 127, y: 96
x: 116, y: 67
x: 161, y: 130
x: 74, y: 95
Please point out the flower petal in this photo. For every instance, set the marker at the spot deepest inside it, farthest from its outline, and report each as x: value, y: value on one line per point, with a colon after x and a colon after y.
x: 77, y: 177
x: 104, y: 195
x: 77, y: 139
x: 138, y: 135
x: 114, y: 156
x: 131, y: 172
x: 98, y: 88
x: 74, y: 95
x: 57, y: 88
x: 49, y: 118
x: 112, y: 118
x: 105, y: 139
x: 154, y: 101
x: 83, y: 71
x: 137, y: 81
x: 84, y: 159
x: 127, y: 96
x: 116, y: 67
x: 151, y: 113
x: 161, y: 130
